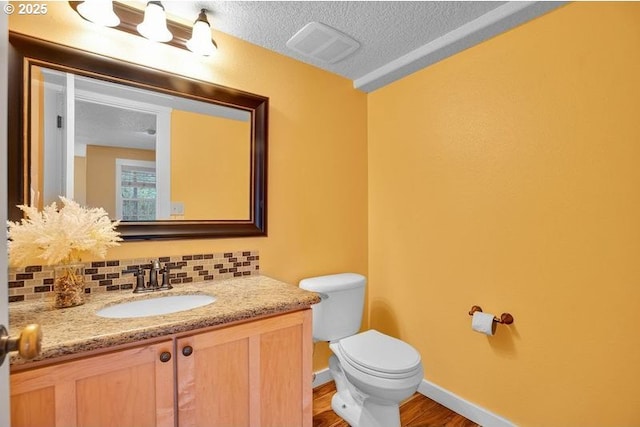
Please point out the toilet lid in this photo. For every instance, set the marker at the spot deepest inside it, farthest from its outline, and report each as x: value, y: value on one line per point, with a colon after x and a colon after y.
x: 380, y: 352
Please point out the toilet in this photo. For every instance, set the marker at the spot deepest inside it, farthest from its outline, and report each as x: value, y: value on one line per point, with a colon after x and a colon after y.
x: 373, y: 372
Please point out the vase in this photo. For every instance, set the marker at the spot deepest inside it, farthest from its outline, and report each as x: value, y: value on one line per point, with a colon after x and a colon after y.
x: 68, y: 285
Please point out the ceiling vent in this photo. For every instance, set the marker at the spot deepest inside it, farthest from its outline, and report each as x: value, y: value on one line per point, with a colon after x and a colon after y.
x: 321, y: 42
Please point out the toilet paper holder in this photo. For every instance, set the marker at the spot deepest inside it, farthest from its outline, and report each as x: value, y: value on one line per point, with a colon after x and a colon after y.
x: 505, y: 318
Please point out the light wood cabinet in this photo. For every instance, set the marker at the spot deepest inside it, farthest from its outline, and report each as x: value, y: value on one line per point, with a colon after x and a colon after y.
x: 252, y: 374
x: 125, y: 388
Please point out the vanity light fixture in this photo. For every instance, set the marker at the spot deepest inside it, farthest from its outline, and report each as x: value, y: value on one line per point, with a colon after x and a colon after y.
x: 154, y: 25
x: 151, y: 23
x: 99, y: 12
x: 201, y: 41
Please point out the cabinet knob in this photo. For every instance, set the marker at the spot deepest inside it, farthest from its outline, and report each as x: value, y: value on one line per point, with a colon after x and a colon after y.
x: 187, y: 350
x: 165, y: 356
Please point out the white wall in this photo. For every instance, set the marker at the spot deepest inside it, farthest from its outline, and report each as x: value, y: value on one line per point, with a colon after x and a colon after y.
x: 4, y: 309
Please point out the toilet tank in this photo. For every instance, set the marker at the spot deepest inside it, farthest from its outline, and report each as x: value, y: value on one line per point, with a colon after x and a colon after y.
x: 339, y: 313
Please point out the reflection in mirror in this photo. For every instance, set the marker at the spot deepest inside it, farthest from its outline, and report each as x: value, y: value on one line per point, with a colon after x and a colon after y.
x: 188, y: 158
x: 140, y: 155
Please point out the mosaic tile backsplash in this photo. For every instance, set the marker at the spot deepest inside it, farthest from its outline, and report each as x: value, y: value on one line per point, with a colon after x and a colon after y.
x: 36, y: 281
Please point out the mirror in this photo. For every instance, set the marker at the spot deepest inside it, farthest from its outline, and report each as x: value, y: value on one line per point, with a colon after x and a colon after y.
x: 169, y: 156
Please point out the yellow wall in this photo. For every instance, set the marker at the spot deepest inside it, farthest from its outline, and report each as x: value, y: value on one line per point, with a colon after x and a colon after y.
x: 80, y: 180
x: 317, y: 170
x: 101, y: 173
x: 210, y: 166
x: 37, y: 134
x: 508, y: 176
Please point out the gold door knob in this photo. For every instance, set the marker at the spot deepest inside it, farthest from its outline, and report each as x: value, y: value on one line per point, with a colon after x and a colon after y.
x: 28, y: 344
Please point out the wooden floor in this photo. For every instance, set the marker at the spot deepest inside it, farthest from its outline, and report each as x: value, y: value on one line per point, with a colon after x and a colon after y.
x: 417, y: 411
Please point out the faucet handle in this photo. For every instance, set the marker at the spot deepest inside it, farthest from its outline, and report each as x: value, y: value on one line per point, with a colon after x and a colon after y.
x: 165, y: 277
x: 139, y: 273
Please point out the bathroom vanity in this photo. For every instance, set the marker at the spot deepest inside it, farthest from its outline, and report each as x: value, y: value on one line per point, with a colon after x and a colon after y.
x: 243, y: 360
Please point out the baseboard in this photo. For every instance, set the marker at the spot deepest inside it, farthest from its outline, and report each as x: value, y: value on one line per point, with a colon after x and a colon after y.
x: 322, y: 377
x: 461, y: 406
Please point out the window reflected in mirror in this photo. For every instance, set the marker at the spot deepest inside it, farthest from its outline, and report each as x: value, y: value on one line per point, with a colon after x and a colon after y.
x: 136, y: 190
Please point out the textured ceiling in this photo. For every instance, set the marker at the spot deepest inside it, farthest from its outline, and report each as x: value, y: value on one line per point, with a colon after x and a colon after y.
x: 101, y: 124
x: 396, y: 37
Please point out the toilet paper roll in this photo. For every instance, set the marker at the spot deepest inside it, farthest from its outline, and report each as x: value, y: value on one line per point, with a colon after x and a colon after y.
x: 483, y: 323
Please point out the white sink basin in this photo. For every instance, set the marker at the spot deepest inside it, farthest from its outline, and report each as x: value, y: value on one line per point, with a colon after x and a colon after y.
x: 155, y: 306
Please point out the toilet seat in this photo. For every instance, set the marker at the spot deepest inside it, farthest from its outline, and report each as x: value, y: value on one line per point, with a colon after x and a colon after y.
x: 380, y: 355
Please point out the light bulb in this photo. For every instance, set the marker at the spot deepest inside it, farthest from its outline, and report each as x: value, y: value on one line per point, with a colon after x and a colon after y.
x: 99, y: 12
x: 154, y: 24
x: 200, y: 42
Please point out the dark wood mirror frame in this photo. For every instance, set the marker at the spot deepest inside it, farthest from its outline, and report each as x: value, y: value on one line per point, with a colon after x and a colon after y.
x: 25, y: 50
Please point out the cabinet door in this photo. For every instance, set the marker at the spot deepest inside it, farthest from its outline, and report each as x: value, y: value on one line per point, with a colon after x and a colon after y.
x: 253, y: 374
x: 125, y: 388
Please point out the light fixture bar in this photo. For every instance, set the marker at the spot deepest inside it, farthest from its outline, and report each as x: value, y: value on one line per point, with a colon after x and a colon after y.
x: 130, y: 17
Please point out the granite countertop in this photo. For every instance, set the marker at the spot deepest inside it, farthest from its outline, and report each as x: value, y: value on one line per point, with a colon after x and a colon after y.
x: 78, y: 329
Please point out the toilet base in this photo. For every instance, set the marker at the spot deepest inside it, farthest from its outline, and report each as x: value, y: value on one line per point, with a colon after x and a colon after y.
x: 346, y: 409
x: 369, y: 415
x: 356, y: 409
